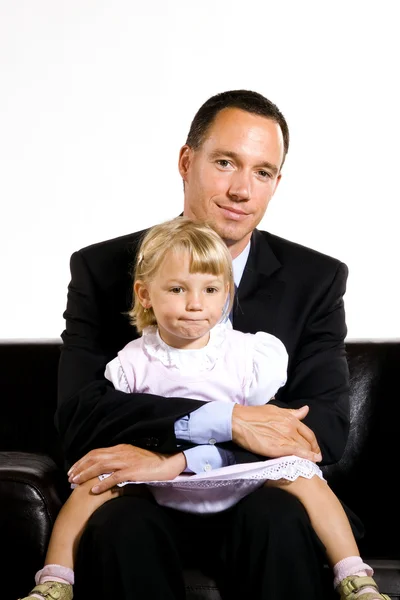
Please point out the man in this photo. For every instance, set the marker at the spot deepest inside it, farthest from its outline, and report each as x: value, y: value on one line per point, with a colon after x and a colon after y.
x: 263, y: 548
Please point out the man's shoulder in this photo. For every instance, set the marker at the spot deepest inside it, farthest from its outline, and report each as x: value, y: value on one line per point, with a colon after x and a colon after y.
x: 123, y: 243
x: 292, y: 253
x: 110, y: 261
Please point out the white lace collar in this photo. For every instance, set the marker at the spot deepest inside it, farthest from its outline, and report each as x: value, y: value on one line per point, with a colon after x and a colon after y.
x: 199, y: 359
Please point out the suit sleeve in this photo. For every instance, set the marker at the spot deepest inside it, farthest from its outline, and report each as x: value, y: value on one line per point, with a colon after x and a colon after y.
x: 318, y: 372
x: 90, y: 412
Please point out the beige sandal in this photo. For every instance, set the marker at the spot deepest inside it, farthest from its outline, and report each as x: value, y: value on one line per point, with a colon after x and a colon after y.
x: 349, y: 587
x: 51, y: 590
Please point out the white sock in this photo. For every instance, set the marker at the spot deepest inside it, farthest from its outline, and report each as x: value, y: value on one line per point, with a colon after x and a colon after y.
x: 55, y: 573
x: 352, y: 565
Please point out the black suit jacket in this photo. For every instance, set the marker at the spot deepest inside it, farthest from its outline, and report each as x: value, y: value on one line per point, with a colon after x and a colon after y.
x: 288, y: 290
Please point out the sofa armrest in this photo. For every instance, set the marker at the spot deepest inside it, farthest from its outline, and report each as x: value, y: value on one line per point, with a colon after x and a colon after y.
x: 32, y: 491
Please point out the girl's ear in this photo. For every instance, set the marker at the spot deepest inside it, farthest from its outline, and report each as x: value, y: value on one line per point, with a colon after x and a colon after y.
x: 142, y: 293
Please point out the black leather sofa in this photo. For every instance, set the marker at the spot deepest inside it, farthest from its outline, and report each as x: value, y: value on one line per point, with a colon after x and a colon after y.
x: 33, y: 485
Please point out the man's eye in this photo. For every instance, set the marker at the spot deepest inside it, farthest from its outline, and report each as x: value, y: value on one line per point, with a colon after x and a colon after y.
x: 176, y: 290
x: 264, y: 174
x: 223, y: 163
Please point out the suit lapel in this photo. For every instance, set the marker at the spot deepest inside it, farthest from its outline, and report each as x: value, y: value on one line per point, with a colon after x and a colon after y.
x: 260, y: 291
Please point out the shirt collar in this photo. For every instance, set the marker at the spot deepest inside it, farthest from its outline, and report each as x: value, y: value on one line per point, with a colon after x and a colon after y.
x: 239, y: 264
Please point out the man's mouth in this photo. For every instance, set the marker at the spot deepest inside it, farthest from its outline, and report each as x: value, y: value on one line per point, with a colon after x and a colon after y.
x: 232, y: 212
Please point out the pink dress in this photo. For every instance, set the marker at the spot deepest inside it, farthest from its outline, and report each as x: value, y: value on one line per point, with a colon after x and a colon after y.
x: 235, y: 367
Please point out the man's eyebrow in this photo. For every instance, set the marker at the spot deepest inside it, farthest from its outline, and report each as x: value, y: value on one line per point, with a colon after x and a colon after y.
x: 264, y: 164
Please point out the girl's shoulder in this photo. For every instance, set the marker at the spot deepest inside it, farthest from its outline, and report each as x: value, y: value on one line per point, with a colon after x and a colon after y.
x: 258, y: 341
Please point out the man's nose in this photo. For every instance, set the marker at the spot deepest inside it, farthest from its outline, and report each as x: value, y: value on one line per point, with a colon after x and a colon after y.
x: 240, y: 186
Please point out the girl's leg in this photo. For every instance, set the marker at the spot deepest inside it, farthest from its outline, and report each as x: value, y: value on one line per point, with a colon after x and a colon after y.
x: 326, y: 513
x: 57, y: 577
x: 332, y: 526
x: 71, y: 521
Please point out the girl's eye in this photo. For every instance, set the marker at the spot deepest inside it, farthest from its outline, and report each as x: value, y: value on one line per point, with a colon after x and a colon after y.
x: 176, y: 290
x: 211, y: 290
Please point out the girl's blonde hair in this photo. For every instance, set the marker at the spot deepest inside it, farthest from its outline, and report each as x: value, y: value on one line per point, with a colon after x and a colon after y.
x: 208, y: 253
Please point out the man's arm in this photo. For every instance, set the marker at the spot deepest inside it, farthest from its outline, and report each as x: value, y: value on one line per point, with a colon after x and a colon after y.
x: 318, y: 371
x: 258, y: 431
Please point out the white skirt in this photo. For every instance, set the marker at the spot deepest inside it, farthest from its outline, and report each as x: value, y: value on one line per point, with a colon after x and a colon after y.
x: 220, y: 489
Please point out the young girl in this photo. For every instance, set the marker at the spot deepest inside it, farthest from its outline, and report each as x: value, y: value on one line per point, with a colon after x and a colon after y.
x: 183, y: 294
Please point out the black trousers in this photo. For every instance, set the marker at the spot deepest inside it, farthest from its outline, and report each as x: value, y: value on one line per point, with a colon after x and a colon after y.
x: 264, y: 548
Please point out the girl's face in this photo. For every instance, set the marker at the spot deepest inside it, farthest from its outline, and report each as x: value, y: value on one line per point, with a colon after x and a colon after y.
x: 186, y: 305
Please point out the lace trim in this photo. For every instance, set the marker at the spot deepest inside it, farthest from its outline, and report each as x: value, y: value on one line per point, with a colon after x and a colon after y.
x: 289, y: 469
x: 202, y: 359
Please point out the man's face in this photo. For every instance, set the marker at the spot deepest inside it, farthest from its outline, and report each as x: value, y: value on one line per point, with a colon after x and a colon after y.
x: 231, y: 178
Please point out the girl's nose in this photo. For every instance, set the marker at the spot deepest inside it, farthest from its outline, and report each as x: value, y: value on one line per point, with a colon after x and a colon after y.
x: 194, y: 301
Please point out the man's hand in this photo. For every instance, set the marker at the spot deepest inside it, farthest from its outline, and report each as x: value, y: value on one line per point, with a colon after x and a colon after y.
x: 274, y: 432
x: 125, y: 463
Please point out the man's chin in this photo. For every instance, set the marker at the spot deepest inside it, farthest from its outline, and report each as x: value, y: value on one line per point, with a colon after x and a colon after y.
x: 232, y: 235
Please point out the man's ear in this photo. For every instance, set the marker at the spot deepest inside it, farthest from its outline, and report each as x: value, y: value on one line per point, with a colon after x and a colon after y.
x: 142, y: 293
x: 278, y: 179
x: 185, y: 159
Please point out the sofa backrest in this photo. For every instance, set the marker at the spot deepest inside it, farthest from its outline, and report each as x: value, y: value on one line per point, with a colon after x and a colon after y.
x: 28, y: 381
x: 363, y: 479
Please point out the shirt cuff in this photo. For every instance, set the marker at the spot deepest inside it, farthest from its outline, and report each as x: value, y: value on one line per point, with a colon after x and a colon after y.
x: 209, y: 424
x: 206, y: 458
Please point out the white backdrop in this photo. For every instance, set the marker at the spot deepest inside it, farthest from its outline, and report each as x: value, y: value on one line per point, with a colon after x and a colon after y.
x: 97, y: 96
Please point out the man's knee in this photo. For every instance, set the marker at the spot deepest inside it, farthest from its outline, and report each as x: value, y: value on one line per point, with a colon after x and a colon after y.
x: 121, y: 517
x: 273, y: 507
